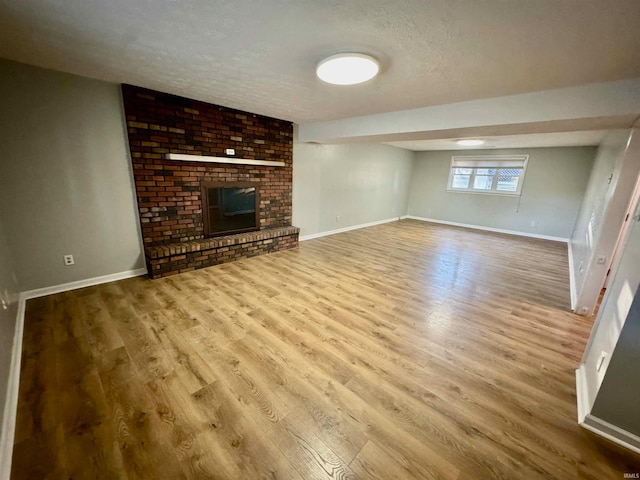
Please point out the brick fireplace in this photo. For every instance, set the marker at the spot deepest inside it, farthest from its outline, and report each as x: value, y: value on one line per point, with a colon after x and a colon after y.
x: 167, y: 134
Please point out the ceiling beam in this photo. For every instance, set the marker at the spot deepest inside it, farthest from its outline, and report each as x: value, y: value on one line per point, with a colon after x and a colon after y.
x: 587, y: 107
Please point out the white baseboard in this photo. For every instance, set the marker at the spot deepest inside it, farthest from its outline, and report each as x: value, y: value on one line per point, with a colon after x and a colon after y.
x: 596, y: 425
x: 11, y: 405
x: 582, y: 394
x: 346, y: 229
x: 612, y: 433
x: 89, y: 282
x: 490, y: 229
x: 572, y: 279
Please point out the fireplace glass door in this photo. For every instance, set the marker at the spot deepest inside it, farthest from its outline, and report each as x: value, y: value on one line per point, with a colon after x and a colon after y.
x: 229, y: 208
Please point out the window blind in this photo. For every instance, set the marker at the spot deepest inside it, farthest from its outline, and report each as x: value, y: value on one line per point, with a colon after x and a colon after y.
x: 510, y: 161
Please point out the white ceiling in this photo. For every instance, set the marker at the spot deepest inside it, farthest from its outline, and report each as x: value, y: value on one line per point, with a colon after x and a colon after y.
x: 536, y: 140
x: 260, y: 56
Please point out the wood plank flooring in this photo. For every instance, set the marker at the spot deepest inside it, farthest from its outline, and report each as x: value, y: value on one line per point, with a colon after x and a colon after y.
x: 402, y: 351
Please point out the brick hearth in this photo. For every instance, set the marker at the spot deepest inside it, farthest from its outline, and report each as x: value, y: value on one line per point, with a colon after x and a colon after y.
x: 175, y: 258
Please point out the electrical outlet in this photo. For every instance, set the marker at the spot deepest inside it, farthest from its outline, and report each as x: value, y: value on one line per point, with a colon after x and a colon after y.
x: 533, y: 223
x: 230, y: 151
x: 337, y: 218
x: 68, y: 260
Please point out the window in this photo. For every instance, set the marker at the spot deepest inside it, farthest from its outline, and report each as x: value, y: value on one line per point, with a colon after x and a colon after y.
x: 493, y: 174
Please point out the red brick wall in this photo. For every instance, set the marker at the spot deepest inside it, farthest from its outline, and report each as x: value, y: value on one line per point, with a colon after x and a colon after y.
x: 168, y: 191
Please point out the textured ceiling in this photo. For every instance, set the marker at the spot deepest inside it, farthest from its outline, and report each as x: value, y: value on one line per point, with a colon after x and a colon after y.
x: 260, y: 56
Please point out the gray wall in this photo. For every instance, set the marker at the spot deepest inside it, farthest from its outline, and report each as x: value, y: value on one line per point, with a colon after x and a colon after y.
x: 66, y: 185
x: 552, y: 192
x: 8, y: 291
x: 359, y: 183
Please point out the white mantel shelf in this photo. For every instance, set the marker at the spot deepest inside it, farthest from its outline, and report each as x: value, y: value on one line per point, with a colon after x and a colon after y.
x: 237, y: 161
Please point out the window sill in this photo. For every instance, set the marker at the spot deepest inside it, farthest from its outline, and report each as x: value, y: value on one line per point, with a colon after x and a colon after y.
x: 501, y: 194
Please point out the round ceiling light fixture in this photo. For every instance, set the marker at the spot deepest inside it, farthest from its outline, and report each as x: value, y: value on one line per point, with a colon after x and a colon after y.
x: 347, y: 68
x: 470, y: 142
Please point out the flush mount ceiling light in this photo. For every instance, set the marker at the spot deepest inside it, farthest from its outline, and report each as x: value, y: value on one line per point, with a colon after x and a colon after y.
x: 470, y: 142
x: 347, y: 68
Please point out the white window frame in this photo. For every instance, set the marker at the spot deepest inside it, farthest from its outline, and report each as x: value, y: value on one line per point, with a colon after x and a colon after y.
x: 487, y: 161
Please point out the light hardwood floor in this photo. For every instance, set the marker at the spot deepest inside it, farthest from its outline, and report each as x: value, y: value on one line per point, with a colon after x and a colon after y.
x: 406, y: 350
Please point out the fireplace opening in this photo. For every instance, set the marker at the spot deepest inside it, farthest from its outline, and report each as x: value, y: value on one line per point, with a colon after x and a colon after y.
x: 230, y: 207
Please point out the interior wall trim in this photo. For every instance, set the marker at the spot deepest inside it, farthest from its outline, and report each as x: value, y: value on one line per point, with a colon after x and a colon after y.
x: 582, y: 394
x: 490, y: 229
x: 89, y: 282
x: 346, y: 229
x: 612, y: 433
x: 595, y: 424
x: 7, y: 434
x: 572, y: 279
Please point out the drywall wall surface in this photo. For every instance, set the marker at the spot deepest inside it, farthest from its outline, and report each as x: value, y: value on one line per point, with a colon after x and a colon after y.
x: 602, y: 183
x: 66, y: 185
x: 617, y: 398
x: 339, y: 186
x: 612, y: 315
x: 602, y: 215
x: 8, y: 314
x: 552, y: 192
